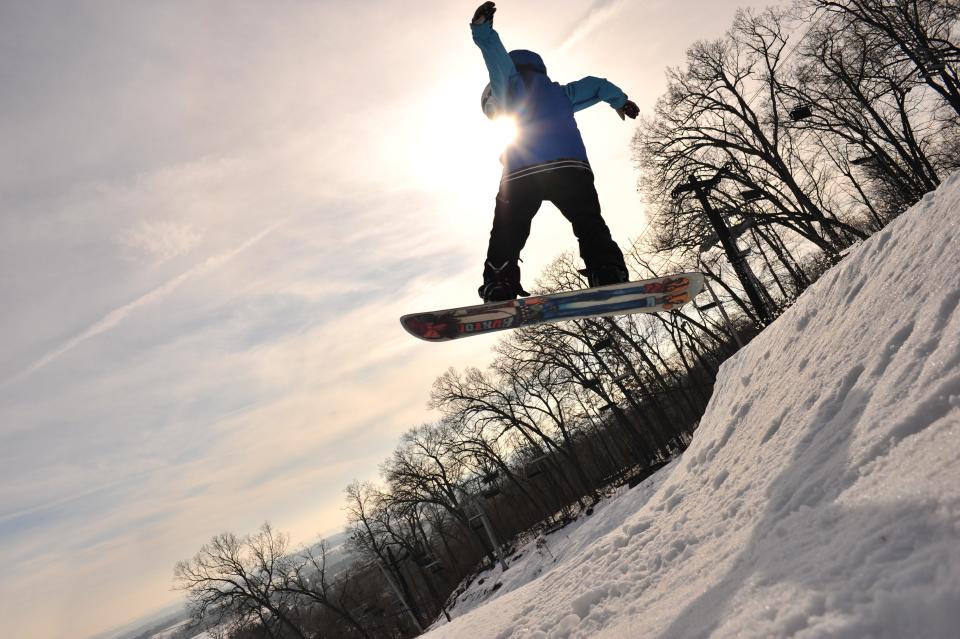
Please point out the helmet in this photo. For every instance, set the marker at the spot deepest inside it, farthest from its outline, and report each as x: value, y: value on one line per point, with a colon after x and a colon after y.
x: 488, y: 103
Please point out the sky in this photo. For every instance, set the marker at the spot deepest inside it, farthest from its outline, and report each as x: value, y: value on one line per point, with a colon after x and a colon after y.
x: 212, y: 214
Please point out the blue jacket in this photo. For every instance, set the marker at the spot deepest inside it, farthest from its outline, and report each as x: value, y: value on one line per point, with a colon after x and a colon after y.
x: 547, y: 130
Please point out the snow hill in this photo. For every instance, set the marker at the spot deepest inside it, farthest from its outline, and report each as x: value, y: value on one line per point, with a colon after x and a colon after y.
x: 820, y: 496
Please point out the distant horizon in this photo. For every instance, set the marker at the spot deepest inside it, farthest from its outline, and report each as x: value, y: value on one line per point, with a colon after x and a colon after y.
x: 143, y: 623
x: 169, y: 610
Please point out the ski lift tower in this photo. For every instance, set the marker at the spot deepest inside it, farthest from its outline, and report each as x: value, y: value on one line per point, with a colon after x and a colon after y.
x: 480, y: 521
x: 701, y: 189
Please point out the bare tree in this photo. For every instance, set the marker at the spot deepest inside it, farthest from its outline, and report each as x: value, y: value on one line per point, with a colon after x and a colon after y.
x: 711, y: 119
x: 241, y: 581
x: 309, y: 583
x: 365, y: 506
x: 923, y: 32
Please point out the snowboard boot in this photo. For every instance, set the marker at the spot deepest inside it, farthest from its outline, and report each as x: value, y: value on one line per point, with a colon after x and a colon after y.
x: 606, y: 274
x: 501, y: 284
x: 497, y: 292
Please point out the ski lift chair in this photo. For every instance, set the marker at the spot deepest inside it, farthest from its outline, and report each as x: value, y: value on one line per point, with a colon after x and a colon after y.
x: 593, y: 382
x: 423, y: 559
x: 603, y: 343
x: 489, y: 481
x: 535, y: 467
x: 931, y: 63
x: 490, y: 492
x: 800, y: 112
x: 858, y: 156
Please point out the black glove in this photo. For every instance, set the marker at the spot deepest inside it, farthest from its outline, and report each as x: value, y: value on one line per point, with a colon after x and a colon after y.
x: 484, y: 13
x: 629, y: 109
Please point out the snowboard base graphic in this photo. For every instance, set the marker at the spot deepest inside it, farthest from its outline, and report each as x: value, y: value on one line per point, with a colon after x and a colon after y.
x: 646, y: 296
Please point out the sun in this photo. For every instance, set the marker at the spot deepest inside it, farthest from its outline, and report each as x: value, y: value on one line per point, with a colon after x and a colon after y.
x: 448, y: 143
x: 466, y: 147
x: 504, y: 131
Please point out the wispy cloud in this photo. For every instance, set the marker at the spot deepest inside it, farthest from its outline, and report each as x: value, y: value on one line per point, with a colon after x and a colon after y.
x: 599, y: 13
x: 148, y: 370
x: 118, y: 315
x: 161, y: 240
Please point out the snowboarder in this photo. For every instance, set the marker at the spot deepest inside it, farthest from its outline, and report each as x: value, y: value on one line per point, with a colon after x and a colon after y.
x: 548, y: 161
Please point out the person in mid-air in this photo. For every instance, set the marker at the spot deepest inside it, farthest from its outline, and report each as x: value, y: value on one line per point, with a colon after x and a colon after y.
x: 548, y: 161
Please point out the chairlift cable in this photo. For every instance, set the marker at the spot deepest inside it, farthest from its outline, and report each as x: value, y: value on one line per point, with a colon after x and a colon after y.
x: 783, y: 60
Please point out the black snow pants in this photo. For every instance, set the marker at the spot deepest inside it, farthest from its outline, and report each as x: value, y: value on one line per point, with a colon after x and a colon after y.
x: 572, y: 191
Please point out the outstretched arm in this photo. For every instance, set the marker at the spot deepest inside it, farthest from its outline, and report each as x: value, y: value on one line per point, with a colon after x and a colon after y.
x: 590, y: 90
x: 495, y: 56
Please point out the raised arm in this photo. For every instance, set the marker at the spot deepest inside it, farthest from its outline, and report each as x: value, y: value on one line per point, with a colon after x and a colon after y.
x: 495, y: 56
x: 590, y: 90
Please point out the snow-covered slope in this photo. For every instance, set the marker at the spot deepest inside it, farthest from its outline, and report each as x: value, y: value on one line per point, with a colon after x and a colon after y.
x: 821, y: 494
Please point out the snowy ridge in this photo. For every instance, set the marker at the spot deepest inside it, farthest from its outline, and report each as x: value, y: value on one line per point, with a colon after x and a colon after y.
x: 821, y: 494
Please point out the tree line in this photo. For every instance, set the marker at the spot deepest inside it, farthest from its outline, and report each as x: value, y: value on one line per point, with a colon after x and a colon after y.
x: 805, y: 130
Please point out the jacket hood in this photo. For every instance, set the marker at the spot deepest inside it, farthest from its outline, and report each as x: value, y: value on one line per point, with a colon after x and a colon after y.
x: 528, y: 59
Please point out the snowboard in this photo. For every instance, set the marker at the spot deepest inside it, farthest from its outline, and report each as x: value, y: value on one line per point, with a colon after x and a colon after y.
x: 646, y: 296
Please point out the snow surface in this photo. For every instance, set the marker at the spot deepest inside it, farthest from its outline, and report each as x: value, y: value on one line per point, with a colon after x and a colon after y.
x: 820, y: 496
x: 175, y: 629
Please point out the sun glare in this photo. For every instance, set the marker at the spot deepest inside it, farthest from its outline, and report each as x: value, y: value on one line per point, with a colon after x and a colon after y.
x: 504, y: 131
x: 448, y: 144
x: 468, y: 149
